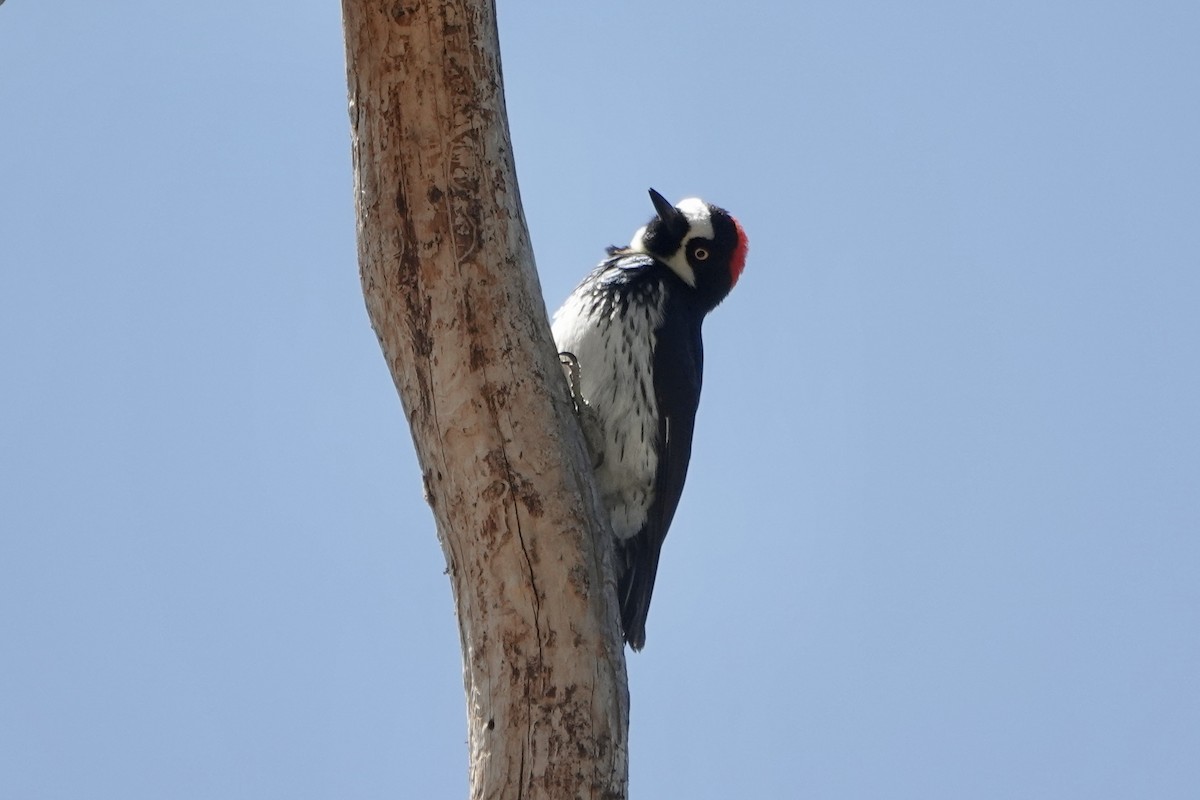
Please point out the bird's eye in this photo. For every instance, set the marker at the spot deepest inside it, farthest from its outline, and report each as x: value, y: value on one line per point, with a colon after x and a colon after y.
x: 700, y: 254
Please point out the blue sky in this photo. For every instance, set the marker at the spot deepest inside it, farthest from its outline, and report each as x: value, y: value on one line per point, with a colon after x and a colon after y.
x: 941, y: 537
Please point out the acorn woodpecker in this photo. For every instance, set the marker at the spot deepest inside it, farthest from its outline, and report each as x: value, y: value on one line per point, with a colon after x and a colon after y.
x: 631, y: 335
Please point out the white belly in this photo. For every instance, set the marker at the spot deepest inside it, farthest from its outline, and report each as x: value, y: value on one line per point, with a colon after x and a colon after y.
x: 617, y: 382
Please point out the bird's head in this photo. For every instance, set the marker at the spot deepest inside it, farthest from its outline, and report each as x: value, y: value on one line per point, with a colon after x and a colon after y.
x: 701, y: 243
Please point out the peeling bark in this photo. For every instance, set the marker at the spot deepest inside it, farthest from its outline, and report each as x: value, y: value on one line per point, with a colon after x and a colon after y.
x: 448, y: 276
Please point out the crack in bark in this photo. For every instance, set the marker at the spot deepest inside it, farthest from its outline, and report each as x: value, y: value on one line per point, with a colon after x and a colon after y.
x: 521, y: 773
x: 516, y: 509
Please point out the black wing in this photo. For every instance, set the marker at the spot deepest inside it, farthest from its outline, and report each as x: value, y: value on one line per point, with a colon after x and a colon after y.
x: 678, y: 369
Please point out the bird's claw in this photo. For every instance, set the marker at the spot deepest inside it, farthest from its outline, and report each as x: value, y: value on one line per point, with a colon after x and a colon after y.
x: 571, y: 367
x: 589, y: 421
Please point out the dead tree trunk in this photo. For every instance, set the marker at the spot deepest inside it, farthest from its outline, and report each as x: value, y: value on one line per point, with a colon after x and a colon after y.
x: 451, y: 289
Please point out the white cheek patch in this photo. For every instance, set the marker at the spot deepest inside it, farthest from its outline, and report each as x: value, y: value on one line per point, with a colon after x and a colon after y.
x: 680, y: 266
x: 699, y: 227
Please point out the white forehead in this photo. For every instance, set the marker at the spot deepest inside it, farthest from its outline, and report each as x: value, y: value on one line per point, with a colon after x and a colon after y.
x: 698, y: 215
x: 699, y: 218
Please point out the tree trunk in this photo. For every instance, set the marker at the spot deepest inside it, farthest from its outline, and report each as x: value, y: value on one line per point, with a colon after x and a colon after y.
x: 451, y: 290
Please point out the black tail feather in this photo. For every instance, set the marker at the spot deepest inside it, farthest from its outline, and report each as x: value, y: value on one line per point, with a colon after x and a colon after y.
x: 638, y: 562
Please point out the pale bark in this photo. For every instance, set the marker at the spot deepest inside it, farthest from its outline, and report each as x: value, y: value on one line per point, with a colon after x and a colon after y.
x: 448, y: 275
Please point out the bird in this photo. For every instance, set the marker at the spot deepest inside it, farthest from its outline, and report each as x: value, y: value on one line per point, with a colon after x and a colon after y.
x: 630, y: 335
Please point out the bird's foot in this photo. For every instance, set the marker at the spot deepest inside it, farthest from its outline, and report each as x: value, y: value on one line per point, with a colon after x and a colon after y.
x: 588, y: 419
x: 570, y: 365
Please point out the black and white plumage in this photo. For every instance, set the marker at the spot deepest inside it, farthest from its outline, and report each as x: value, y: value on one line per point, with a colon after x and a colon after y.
x: 633, y: 327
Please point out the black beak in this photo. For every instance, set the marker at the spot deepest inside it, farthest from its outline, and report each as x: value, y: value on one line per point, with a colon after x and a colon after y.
x: 671, y: 216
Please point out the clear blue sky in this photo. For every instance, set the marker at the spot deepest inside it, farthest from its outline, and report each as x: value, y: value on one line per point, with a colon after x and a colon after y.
x: 941, y: 537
